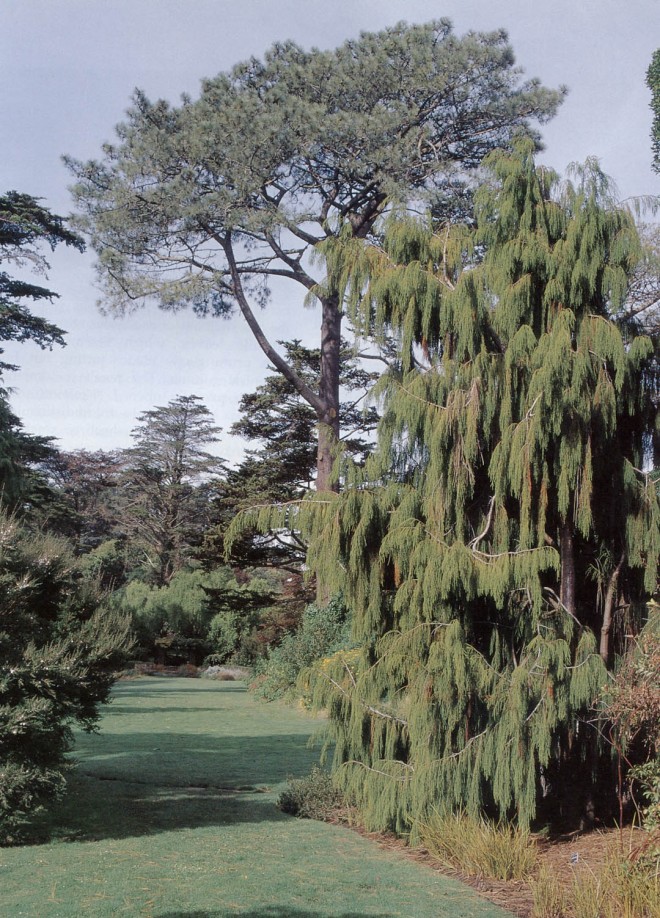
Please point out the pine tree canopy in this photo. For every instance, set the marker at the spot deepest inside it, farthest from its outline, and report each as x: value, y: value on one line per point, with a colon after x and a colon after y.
x: 504, y: 539
x: 205, y: 204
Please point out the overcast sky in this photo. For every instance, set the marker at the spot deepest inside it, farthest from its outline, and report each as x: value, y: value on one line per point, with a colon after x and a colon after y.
x: 67, y: 71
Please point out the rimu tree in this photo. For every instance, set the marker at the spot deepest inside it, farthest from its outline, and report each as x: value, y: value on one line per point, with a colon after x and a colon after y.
x: 505, y: 537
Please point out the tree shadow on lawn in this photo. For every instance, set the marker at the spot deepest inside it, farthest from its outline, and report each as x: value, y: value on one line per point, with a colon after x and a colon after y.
x: 136, y: 784
x: 95, y: 810
x: 117, y: 707
x: 168, y: 685
x: 272, y: 912
x: 203, y: 760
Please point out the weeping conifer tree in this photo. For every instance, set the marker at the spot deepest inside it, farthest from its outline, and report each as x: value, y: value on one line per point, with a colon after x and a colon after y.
x: 505, y: 537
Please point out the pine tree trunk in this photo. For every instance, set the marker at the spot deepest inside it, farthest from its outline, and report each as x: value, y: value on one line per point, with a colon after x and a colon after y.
x: 328, y: 431
x: 329, y: 395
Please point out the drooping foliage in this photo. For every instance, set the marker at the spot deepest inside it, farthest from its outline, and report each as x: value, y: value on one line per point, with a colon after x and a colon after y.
x: 643, y: 301
x: 502, y: 541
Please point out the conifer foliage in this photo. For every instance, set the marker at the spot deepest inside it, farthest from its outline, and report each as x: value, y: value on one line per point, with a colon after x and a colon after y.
x: 165, y: 478
x: 282, y: 468
x: 504, y: 538
x: 59, y: 649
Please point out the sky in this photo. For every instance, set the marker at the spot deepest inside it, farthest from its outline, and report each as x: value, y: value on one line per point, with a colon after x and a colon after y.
x: 67, y: 72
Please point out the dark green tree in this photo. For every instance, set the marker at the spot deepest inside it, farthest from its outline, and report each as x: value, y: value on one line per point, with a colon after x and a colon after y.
x: 278, y: 418
x: 86, y: 485
x: 166, y: 483
x: 205, y: 204
x: 22, y: 484
x: 58, y: 653
x: 25, y: 228
x: 283, y: 466
x: 58, y: 648
x: 504, y: 539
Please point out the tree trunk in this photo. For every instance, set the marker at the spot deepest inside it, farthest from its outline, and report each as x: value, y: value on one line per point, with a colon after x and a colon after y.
x: 567, y: 562
x: 328, y: 416
x: 608, y: 611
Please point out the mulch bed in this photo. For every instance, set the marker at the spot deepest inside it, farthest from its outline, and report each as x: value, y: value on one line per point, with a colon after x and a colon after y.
x: 560, y: 856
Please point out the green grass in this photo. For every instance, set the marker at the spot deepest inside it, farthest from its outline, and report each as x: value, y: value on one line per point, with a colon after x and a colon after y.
x: 172, y: 815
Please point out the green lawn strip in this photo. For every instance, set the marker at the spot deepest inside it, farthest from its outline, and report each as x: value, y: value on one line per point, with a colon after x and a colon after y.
x: 172, y: 813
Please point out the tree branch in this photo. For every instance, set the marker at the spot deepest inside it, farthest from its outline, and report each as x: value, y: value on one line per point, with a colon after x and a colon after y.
x: 278, y: 362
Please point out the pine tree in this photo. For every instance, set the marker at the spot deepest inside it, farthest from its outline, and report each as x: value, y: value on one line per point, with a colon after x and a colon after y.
x: 206, y: 204
x: 504, y: 538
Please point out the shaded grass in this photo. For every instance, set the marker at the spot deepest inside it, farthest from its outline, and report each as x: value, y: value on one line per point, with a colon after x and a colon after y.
x: 173, y: 813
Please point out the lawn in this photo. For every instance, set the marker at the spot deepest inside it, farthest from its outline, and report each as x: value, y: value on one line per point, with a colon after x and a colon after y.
x: 172, y: 814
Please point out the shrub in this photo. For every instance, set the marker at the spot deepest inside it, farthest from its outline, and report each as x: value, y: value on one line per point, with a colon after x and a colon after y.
x: 312, y: 797
x: 225, y: 673
x: 223, y: 636
x: 647, y: 776
x: 479, y: 848
x: 323, y: 631
x: 632, y: 705
x: 59, y: 650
